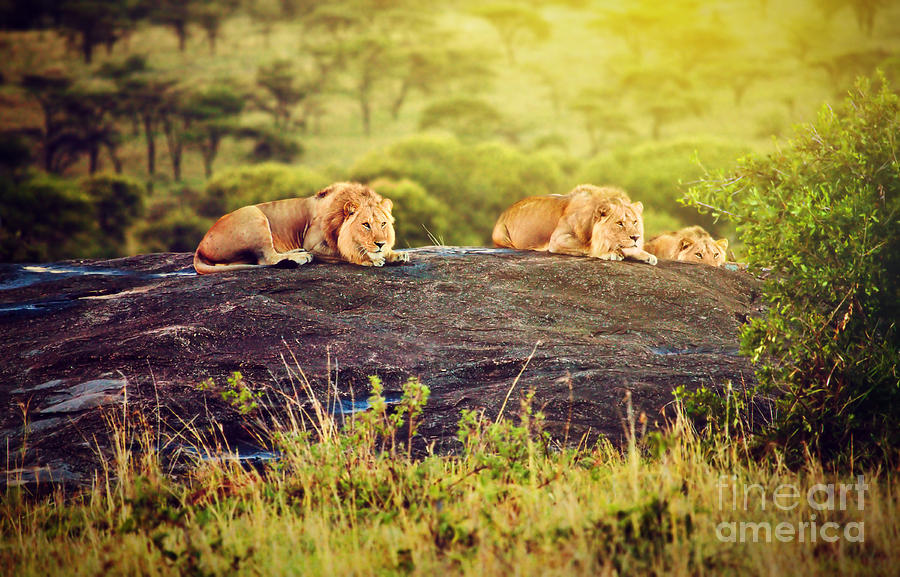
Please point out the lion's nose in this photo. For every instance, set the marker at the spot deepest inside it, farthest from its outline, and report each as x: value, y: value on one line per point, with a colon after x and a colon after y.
x: 635, y: 238
x: 379, y: 244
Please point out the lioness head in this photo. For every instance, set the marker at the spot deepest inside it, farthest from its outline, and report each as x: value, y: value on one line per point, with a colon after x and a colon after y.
x: 702, y: 249
x: 618, y: 224
x: 366, y: 233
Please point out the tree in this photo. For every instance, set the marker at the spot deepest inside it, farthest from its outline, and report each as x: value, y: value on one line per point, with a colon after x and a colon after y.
x: 663, y: 95
x: 515, y: 25
x: 174, y: 14
x: 369, y: 56
x: 118, y: 202
x: 143, y: 94
x: 209, y: 15
x: 430, y: 67
x: 45, y: 218
x: 279, y: 81
x: 843, y: 68
x: 96, y: 22
x: 208, y: 116
x: 602, y: 115
x: 468, y: 117
x: 265, y: 13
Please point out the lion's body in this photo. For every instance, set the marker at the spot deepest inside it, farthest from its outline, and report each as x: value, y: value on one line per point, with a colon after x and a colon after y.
x: 691, y: 244
x: 599, y: 222
x: 344, y: 222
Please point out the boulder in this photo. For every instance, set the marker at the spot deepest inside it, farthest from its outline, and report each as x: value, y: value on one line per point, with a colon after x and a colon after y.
x: 84, y: 344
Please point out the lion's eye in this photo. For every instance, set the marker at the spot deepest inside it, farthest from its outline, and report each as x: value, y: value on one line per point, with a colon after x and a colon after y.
x: 366, y: 225
x: 699, y: 255
x: 620, y: 223
x: 383, y: 224
x: 716, y: 255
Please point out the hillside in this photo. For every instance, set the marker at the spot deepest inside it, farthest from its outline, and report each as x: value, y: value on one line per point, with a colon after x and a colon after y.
x: 85, y: 340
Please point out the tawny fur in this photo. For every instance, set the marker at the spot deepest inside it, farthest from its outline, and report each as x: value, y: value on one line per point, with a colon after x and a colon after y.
x: 691, y: 244
x: 344, y: 222
x: 599, y: 222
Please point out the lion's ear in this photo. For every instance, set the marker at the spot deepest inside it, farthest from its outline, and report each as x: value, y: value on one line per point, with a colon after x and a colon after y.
x: 638, y: 207
x: 350, y: 208
x: 602, y: 210
x: 723, y: 243
x: 387, y: 204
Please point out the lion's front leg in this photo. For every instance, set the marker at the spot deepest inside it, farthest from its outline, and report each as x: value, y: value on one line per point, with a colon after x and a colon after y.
x: 296, y: 257
x: 641, y: 255
x: 394, y: 256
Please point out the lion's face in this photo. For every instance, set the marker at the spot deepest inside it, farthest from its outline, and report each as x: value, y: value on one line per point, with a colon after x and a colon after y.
x: 367, y: 233
x: 702, y: 250
x: 619, y: 225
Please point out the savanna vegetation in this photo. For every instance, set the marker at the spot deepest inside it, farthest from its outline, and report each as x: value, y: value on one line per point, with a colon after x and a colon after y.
x: 465, y: 103
x: 130, y: 126
x: 358, y: 499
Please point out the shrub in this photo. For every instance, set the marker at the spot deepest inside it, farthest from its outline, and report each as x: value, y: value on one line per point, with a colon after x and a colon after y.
x: 176, y: 231
x: 654, y: 173
x: 469, y: 118
x: 45, y: 218
x: 118, y: 201
x: 419, y: 219
x: 246, y: 185
x: 822, y: 213
x: 482, y: 179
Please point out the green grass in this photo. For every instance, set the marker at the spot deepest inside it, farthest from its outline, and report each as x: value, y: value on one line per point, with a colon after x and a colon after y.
x: 352, y: 500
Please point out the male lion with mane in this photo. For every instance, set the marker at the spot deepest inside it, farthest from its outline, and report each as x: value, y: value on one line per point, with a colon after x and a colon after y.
x: 344, y: 222
x: 599, y: 222
x: 691, y: 244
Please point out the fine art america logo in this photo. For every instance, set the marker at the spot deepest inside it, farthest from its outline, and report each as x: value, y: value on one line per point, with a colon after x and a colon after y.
x: 815, y: 502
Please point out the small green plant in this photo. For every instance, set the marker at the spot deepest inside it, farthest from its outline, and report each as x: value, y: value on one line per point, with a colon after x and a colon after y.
x: 239, y: 395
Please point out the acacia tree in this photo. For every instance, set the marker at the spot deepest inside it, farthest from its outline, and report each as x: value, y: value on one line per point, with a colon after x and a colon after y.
x: 144, y: 96
x: 602, y: 116
x: 174, y: 14
x: 210, y: 115
x: 279, y: 81
x: 431, y: 67
x: 97, y: 22
x: 209, y: 15
x: 516, y: 25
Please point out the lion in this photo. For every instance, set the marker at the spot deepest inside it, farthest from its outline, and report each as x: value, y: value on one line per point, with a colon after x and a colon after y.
x: 343, y: 222
x: 598, y: 222
x: 691, y: 244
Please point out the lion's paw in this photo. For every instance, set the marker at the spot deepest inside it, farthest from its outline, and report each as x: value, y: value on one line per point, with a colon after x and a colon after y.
x: 400, y: 257
x: 652, y: 260
x: 301, y: 257
x: 611, y: 256
x: 377, y: 260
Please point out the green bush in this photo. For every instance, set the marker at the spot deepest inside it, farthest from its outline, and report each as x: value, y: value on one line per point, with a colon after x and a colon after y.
x: 45, y: 218
x: 246, y: 185
x: 118, y: 201
x: 821, y: 212
x: 419, y: 219
x: 482, y: 180
x: 655, y: 173
x: 176, y: 231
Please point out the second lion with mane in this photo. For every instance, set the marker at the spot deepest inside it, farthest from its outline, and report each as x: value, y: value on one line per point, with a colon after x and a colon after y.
x: 599, y: 222
x: 344, y: 222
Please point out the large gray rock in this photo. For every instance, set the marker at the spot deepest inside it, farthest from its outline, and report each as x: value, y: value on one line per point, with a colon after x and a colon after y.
x: 85, y: 341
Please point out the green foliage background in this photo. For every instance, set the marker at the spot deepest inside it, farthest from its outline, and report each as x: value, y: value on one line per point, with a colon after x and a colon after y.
x: 478, y: 104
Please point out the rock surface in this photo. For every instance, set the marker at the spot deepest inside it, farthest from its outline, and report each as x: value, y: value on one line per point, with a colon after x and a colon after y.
x: 83, y: 342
